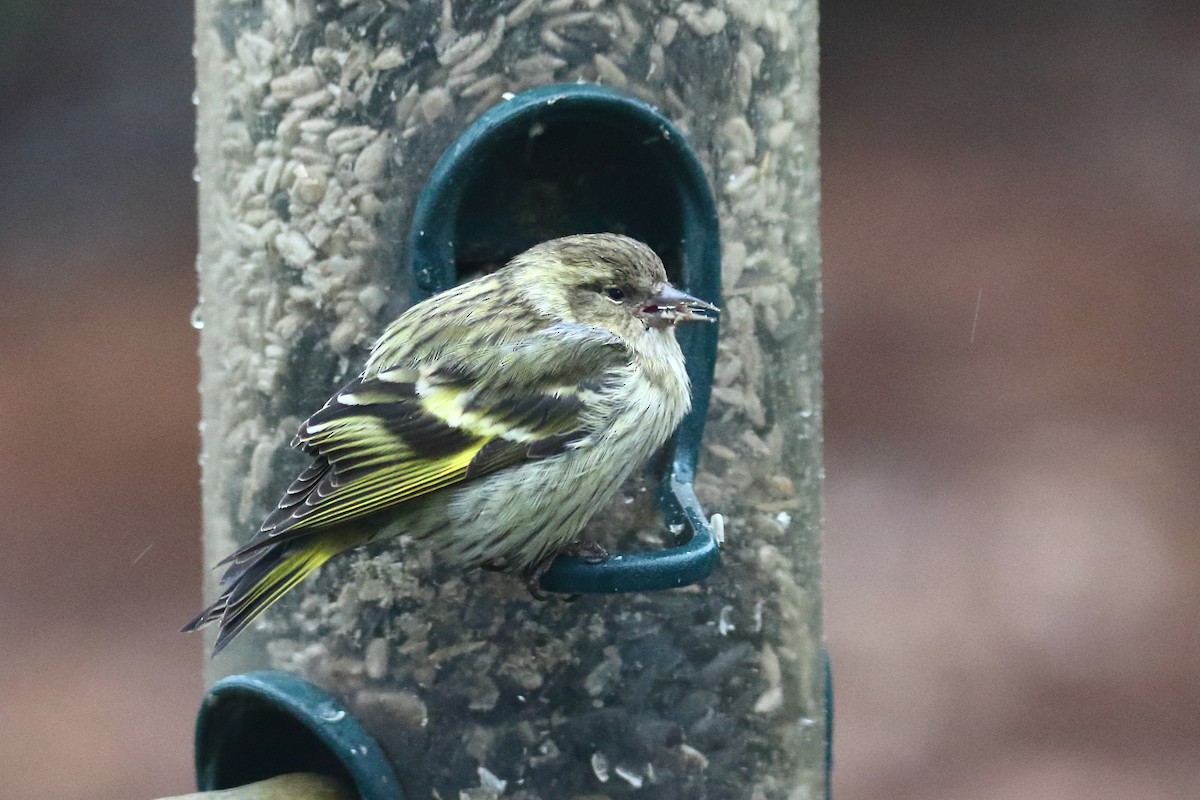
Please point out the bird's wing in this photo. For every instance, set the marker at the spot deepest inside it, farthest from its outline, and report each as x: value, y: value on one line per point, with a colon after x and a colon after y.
x: 405, y: 431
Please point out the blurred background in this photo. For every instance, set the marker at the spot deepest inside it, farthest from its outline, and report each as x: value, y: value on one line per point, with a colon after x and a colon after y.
x: 1011, y: 211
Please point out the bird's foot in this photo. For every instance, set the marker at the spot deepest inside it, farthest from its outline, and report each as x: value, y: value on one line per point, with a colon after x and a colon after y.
x: 589, y: 551
x: 533, y: 577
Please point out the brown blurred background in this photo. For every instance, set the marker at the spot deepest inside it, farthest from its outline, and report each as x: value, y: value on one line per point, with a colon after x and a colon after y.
x: 1011, y: 237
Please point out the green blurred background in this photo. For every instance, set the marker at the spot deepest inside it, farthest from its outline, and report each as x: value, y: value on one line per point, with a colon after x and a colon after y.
x: 1011, y: 233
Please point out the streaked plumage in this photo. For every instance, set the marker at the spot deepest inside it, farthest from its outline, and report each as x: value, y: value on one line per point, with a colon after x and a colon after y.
x: 493, y: 420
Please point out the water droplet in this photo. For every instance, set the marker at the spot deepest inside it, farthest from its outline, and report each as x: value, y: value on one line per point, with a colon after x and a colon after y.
x: 197, y: 318
x: 331, y: 714
x: 196, y: 173
x: 195, y: 97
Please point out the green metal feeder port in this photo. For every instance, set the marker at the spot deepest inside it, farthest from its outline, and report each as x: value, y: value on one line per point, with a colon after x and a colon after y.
x: 264, y: 724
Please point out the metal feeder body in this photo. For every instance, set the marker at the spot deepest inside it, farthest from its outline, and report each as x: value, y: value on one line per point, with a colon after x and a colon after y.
x: 356, y: 157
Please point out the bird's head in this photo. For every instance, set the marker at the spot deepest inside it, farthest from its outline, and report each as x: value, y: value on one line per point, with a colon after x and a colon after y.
x: 608, y: 281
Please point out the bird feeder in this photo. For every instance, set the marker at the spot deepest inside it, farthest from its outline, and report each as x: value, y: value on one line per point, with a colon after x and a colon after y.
x: 357, y: 157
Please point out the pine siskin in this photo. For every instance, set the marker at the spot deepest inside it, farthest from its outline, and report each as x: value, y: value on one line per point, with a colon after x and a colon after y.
x: 492, y: 420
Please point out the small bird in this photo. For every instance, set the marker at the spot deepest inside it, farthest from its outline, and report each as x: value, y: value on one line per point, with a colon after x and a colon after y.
x: 491, y: 421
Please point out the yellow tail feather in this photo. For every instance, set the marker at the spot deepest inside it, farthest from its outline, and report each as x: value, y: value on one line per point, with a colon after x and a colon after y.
x: 276, y: 572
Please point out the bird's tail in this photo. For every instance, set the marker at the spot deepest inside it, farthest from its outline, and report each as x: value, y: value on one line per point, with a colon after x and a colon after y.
x: 252, y: 585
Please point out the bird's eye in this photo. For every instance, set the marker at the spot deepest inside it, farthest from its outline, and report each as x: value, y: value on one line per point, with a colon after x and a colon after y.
x: 614, y: 293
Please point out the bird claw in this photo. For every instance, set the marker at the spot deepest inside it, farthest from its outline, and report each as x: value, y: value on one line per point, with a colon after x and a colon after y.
x: 533, y: 577
x: 535, y: 591
x: 589, y: 551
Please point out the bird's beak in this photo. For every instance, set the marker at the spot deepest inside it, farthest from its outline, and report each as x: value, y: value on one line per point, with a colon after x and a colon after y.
x: 669, y: 307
